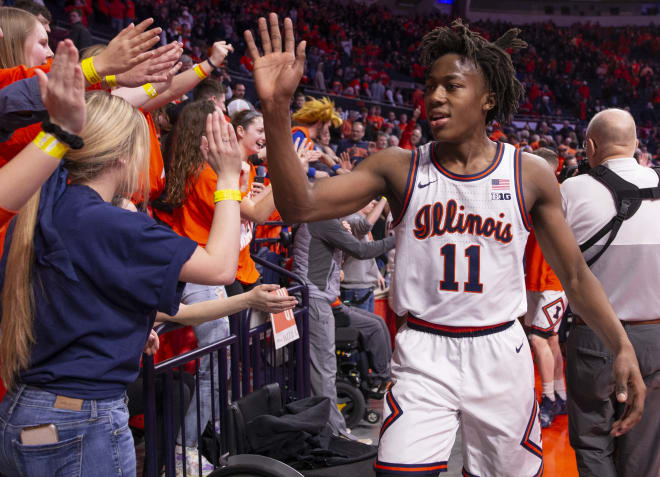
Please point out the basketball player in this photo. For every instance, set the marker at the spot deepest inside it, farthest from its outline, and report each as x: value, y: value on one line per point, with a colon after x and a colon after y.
x: 460, y: 237
x: 546, y: 304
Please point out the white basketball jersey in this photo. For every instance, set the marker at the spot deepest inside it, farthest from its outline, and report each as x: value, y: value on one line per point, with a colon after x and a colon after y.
x: 460, y: 241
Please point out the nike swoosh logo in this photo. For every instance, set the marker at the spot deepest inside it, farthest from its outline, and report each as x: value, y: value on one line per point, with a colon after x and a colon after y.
x: 421, y: 186
x: 518, y: 348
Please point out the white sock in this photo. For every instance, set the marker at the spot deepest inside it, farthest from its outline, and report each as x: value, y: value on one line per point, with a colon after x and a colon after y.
x: 549, y: 390
x: 560, y: 388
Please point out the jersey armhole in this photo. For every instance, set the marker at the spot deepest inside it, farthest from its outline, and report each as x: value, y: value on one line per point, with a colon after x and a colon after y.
x: 410, y: 185
x: 517, y: 167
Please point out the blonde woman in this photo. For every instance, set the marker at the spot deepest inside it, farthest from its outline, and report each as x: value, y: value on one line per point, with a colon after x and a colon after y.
x: 25, y: 39
x: 77, y: 315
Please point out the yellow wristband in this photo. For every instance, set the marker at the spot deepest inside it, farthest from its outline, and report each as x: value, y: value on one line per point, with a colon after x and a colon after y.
x: 150, y: 90
x: 50, y: 145
x: 111, y: 80
x: 89, y: 71
x: 227, y: 194
x: 200, y: 72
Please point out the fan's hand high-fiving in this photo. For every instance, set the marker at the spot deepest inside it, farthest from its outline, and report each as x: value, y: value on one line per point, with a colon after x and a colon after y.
x: 278, y: 70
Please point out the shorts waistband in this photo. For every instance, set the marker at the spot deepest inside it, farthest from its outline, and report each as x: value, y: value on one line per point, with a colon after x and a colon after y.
x: 456, y: 331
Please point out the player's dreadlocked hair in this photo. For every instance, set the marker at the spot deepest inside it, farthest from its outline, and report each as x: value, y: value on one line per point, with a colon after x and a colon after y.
x: 490, y: 57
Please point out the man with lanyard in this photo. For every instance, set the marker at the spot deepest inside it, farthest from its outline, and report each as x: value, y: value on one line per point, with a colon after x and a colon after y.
x: 628, y: 269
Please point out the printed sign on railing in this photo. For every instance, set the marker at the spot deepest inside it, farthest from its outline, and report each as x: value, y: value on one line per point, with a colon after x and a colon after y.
x: 284, y: 324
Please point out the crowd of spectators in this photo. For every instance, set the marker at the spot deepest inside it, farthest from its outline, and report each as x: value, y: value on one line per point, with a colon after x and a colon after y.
x: 571, y: 71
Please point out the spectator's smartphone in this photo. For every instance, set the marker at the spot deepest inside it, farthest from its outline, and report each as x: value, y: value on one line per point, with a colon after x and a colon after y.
x: 259, y: 179
x: 39, y: 435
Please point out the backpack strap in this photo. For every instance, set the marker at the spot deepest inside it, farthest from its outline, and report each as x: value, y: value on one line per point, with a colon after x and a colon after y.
x: 627, y: 200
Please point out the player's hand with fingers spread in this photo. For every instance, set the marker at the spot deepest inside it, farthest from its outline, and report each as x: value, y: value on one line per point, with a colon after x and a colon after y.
x: 63, y: 90
x: 128, y: 49
x: 630, y: 388
x: 220, y: 148
x: 154, y: 69
x: 262, y: 299
x: 278, y: 71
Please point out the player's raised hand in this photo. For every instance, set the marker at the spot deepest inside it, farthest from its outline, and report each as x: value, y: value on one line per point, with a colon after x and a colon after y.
x: 278, y: 71
x: 630, y: 388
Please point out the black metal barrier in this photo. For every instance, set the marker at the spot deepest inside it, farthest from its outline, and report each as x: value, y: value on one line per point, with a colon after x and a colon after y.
x: 252, y: 363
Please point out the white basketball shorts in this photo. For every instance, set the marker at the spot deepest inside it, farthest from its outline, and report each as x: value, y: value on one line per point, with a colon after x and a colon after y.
x: 544, y: 312
x: 483, y: 380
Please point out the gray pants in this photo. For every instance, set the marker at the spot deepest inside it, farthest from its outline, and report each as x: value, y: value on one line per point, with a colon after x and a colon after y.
x: 323, y: 369
x: 206, y: 334
x: 375, y: 335
x: 592, y: 406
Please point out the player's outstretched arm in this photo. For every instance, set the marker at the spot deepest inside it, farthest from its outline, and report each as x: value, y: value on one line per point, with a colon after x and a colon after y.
x: 277, y: 73
x: 584, y: 291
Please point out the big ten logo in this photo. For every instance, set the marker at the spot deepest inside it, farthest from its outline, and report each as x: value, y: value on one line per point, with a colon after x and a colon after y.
x: 500, y: 196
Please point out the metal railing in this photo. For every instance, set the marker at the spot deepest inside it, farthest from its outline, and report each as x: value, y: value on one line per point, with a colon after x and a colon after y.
x: 252, y: 363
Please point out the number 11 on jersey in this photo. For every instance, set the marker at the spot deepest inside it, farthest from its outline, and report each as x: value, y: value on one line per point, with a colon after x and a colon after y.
x: 449, y: 283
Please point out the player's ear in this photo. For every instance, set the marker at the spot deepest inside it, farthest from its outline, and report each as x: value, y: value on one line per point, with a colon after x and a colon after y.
x: 488, y: 101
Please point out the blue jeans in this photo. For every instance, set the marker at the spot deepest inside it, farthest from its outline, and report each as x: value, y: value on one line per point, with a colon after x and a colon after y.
x: 357, y: 294
x: 206, y: 333
x: 93, y: 441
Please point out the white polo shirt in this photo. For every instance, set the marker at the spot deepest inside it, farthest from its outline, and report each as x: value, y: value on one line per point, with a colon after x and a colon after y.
x: 630, y: 268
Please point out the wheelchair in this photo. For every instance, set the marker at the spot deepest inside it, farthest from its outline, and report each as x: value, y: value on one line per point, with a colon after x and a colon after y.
x: 355, y: 383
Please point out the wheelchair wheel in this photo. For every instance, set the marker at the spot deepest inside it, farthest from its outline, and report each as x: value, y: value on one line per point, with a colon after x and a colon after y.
x: 249, y: 465
x: 350, y: 402
x: 372, y: 417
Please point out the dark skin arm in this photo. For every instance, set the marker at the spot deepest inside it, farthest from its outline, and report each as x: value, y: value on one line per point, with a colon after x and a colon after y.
x: 584, y: 291
x: 277, y: 75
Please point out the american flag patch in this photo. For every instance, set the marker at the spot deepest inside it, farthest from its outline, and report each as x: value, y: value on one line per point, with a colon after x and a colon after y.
x: 500, y: 184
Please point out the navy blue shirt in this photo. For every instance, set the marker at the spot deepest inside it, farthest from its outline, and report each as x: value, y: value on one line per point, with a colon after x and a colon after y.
x: 358, y: 150
x: 20, y: 106
x: 100, y: 275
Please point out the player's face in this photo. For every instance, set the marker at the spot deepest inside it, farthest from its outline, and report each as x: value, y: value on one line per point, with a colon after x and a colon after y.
x: 456, y: 98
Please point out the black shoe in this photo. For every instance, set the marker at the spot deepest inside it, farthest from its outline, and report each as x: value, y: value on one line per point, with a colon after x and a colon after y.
x: 548, y: 411
x: 561, y: 404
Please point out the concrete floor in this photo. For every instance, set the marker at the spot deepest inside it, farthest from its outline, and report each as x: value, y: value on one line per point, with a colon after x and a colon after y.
x: 370, y: 431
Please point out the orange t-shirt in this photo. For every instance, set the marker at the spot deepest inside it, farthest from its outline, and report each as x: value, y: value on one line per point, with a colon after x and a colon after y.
x: 538, y: 274
x: 5, y: 217
x: 194, y: 219
x: 156, y: 164
x: 271, y: 231
x: 23, y: 136
x: 247, y: 272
